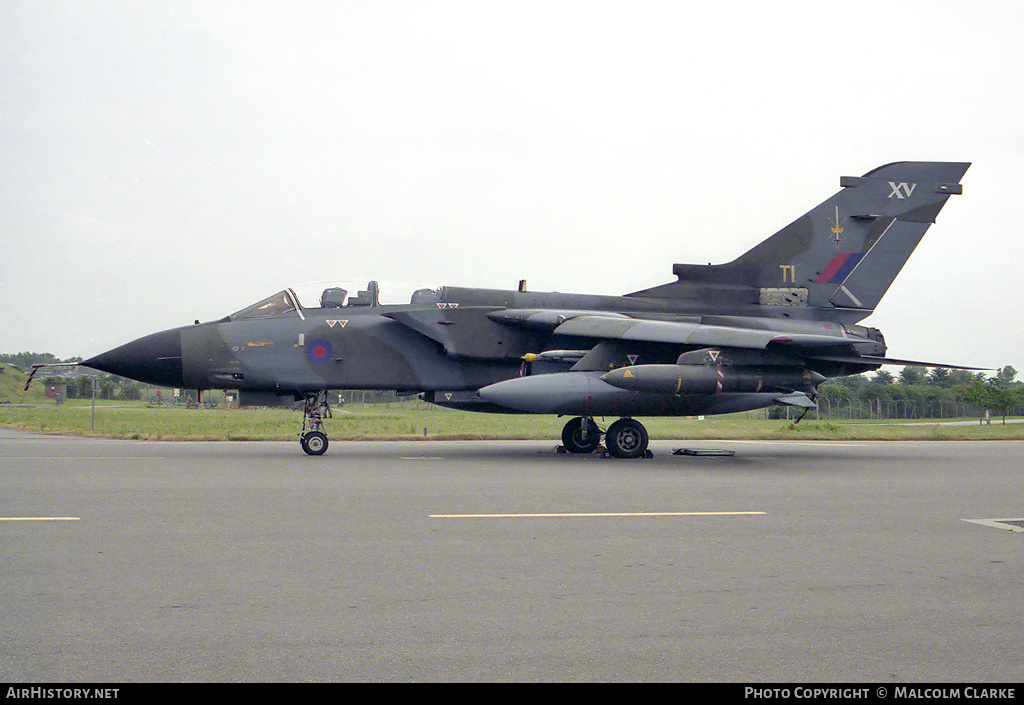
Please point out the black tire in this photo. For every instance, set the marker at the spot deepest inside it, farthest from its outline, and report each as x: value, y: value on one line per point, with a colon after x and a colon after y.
x: 314, y: 443
x: 626, y: 438
x: 572, y: 436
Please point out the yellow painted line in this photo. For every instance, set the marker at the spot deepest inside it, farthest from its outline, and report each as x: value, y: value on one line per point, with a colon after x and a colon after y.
x: 591, y: 514
x: 39, y: 518
x: 81, y: 457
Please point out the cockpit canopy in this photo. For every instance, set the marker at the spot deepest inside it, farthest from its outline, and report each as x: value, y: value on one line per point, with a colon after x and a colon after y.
x: 341, y: 294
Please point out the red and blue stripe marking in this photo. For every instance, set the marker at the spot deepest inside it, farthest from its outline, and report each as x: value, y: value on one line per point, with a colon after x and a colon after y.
x: 839, y: 268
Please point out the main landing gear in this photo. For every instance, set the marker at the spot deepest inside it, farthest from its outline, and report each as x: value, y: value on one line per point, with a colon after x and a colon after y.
x: 626, y: 438
x: 581, y: 435
x: 314, y: 440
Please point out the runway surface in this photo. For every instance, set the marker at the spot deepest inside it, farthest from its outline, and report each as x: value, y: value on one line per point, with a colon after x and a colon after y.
x: 480, y: 561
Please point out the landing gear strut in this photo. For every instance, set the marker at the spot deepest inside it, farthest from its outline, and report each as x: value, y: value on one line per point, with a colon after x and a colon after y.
x: 313, y: 439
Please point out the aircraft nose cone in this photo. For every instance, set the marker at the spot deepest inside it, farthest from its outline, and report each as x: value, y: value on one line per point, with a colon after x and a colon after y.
x: 153, y: 359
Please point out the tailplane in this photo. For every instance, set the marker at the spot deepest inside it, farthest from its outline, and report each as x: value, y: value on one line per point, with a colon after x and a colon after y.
x: 840, y: 257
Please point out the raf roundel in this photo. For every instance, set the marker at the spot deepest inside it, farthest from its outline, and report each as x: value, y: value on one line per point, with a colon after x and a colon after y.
x: 319, y: 352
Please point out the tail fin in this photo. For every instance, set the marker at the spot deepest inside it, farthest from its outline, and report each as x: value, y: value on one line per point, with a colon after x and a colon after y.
x: 841, y: 256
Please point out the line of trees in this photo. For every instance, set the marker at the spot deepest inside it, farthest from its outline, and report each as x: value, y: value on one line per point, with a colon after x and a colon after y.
x: 25, y: 360
x: 79, y: 386
x: 917, y: 392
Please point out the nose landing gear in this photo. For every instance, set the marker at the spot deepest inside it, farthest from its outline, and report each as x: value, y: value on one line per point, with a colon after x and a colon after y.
x: 313, y: 439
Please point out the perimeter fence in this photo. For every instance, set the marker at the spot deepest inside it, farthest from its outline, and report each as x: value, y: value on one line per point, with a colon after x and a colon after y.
x: 882, y: 409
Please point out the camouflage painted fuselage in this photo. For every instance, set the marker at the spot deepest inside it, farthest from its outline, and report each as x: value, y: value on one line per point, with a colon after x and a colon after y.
x: 763, y: 329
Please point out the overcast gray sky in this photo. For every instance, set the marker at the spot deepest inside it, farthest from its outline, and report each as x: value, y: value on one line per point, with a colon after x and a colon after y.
x: 162, y: 162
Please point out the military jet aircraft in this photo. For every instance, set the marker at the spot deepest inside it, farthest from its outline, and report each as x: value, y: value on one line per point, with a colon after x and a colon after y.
x: 766, y: 328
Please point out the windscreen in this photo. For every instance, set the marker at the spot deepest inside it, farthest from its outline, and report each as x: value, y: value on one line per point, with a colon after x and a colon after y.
x: 280, y: 302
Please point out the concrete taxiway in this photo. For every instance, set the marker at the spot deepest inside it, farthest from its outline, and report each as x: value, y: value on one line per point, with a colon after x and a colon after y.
x: 505, y: 561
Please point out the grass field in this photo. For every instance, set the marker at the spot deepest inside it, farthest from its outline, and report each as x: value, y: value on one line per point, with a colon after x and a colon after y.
x: 421, y: 422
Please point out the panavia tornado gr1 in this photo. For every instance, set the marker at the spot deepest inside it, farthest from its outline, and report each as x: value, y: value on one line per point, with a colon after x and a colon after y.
x: 766, y: 328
